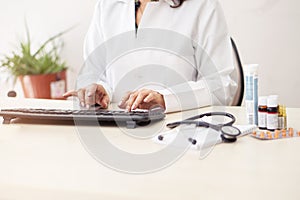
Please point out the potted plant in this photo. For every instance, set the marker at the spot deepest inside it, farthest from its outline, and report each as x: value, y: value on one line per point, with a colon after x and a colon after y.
x: 42, y: 73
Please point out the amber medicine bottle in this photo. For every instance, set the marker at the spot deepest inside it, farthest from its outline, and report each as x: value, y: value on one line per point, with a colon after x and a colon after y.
x: 282, y: 119
x: 262, y: 113
x: 272, y: 114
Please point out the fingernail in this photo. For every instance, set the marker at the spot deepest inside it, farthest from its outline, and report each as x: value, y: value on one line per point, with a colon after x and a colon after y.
x: 120, y: 103
x: 87, y: 106
x: 133, y: 107
x: 82, y: 104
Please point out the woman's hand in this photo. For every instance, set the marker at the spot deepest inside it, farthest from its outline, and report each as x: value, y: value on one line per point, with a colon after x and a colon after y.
x: 142, y: 99
x: 91, y: 95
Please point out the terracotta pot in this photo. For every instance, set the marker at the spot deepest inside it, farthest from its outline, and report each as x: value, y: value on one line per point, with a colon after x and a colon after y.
x: 39, y: 86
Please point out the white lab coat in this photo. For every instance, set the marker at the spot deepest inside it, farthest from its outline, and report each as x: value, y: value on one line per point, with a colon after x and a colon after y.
x: 184, y: 53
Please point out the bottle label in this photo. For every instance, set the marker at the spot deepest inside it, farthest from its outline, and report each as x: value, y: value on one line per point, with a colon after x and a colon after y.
x: 255, y: 98
x: 262, y: 119
x: 251, y: 99
x: 249, y: 88
x: 272, y: 121
x: 280, y: 123
x: 250, y: 112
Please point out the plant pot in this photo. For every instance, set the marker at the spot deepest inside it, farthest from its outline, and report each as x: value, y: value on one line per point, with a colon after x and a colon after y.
x: 44, y: 86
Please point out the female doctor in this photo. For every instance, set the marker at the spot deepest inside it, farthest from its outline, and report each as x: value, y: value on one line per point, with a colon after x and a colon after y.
x: 207, y: 82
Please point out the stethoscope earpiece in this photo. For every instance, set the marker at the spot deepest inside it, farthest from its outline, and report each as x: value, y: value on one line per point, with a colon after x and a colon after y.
x: 193, y: 141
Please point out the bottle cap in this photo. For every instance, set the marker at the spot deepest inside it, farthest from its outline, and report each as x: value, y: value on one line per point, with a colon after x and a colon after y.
x: 251, y: 69
x: 273, y: 101
x: 262, y: 101
x: 284, y: 111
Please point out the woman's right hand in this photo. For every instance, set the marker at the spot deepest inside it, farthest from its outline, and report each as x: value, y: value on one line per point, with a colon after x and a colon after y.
x: 90, y: 95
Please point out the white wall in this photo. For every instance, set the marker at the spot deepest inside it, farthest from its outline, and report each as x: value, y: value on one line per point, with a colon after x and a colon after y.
x: 46, y: 18
x: 266, y: 31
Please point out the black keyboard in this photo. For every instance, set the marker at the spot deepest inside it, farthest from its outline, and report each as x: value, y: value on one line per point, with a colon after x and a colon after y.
x: 101, y: 115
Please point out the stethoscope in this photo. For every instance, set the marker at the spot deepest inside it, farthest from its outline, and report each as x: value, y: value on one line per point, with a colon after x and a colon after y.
x: 229, y: 133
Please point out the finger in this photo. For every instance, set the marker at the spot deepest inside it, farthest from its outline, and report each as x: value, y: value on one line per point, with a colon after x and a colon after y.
x: 81, y: 97
x: 131, y: 100
x: 149, y: 98
x: 154, y: 99
x: 103, y: 96
x: 123, y: 102
x: 98, y: 97
x: 70, y: 93
x: 100, y: 89
x: 104, y: 102
x: 90, y: 95
x: 139, y: 99
x: 89, y: 99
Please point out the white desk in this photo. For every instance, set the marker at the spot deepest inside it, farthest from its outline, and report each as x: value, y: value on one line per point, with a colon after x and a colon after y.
x: 49, y: 162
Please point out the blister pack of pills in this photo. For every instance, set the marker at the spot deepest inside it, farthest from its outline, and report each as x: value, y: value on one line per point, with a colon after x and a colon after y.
x: 275, y: 135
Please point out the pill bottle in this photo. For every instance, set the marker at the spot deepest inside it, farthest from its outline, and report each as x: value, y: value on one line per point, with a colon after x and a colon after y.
x: 262, y: 113
x: 272, y: 114
x: 282, y: 117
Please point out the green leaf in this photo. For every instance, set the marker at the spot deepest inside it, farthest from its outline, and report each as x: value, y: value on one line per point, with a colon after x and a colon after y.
x: 28, y: 35
x: 43, y: 61
x: 52, y: 39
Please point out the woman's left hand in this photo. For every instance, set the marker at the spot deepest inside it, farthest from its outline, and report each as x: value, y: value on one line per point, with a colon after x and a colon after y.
x: 142, y: 99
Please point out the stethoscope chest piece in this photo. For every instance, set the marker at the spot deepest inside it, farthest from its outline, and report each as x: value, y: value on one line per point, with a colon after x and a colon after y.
x: 229, y: 134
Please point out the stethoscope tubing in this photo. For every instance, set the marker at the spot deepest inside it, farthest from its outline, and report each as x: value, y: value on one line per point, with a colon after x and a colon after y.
x: 191, y: 121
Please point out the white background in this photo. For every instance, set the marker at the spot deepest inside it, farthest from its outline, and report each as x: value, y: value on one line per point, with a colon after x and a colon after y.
x: 266, y: 31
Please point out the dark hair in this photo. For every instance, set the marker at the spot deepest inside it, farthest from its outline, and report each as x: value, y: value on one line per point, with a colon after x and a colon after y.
x: 178, y: 3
